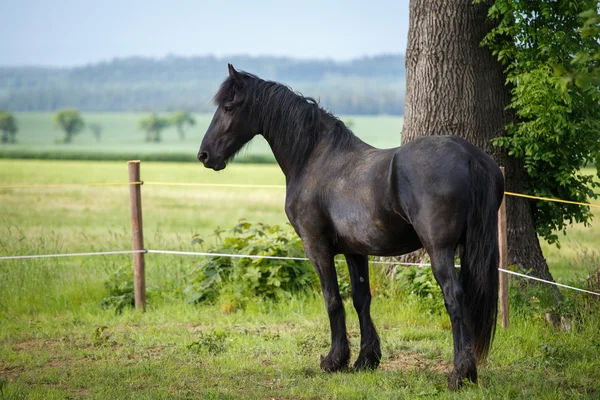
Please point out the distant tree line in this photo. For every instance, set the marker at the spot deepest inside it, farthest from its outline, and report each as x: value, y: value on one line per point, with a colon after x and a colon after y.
x: 71, y: 123
x: 154, y: 124
x: 373, y: 85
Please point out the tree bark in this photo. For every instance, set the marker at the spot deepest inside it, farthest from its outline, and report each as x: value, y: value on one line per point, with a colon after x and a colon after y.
x: 454, y: 86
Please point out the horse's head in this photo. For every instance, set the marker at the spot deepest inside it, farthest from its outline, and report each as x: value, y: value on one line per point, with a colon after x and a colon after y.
x: 231, y: 126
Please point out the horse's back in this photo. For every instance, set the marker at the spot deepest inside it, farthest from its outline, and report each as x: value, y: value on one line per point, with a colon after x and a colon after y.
x: 440, y: 164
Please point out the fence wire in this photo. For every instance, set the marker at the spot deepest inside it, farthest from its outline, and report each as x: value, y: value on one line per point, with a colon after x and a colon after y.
x: 96, y: 253
x: 251, y: 256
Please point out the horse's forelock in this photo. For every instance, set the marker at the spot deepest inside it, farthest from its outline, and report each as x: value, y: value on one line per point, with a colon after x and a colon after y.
x: 225, y: 92
x: 231, y: 85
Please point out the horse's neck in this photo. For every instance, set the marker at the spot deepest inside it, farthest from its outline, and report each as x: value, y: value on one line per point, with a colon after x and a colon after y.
x: 292, y: 165
x: 283, y: 156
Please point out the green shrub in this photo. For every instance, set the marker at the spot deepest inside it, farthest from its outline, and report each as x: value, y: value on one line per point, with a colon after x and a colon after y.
x: 243, y: 278
x: 213, y: 343
x: 420, y: 282
x: 120, y: 290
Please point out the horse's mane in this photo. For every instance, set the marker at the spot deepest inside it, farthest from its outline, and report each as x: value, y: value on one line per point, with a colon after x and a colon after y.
x: 288, y: 119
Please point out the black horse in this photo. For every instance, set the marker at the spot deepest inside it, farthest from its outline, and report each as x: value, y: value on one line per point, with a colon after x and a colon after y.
x: 345, y: 197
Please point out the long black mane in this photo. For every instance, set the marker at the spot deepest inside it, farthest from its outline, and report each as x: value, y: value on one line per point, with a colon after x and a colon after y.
x: 287, y: 119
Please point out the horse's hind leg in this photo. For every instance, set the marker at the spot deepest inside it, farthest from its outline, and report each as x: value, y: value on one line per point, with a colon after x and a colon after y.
x: 465, y: 366
x: 322, y: 258
x: 370, y: 348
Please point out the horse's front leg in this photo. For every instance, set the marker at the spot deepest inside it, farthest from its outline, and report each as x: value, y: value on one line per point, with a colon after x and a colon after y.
x: 322, y: 258
x: 370, y: 348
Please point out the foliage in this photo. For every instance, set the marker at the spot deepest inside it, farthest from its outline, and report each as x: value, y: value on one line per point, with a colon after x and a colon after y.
x: 558, y: 124
x: 8, y: 127
x: 70, y: 121
x: 417, y: 280
x: 120, y: 290
x: 180, y: 119
x: 213, y: 342
x: 420, y: 282
x: 584, y: 68
x: 153, y: 124
x: 247, y: 278
x: 96, y: 129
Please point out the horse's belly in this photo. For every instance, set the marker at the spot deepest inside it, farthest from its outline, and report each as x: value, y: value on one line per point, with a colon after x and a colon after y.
x: 375, y: 236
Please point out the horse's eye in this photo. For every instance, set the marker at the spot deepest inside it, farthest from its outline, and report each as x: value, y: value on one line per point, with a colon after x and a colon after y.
x: 228, y: 108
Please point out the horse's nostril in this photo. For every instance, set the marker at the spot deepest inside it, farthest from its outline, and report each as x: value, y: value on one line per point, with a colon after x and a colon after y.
x: 203, y: 157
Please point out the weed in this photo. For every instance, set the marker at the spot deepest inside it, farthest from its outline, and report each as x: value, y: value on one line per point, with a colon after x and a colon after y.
x: 213, y: 342
x: 120, y: 290
x: 420, y: 282
x: 101, y: 336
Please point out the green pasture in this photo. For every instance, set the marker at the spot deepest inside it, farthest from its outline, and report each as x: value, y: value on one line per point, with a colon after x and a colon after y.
x: 56, y: 341
x: 121, y: 137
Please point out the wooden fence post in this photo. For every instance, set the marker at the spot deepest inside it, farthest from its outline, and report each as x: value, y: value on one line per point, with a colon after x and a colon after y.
x: 503, y: 250
x: 137, y: 235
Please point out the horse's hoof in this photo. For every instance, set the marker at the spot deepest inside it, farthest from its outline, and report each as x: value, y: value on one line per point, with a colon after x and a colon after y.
x: 363, y: 364
x: 328, y: 365
x: 455, y: 381
x: 366, y: 363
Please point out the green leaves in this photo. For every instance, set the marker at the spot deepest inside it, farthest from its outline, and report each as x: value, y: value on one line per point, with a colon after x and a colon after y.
x: 153, y: 124
x: 180, y: 119
x: 120, y: 290
x: 70, y: 121
x: 248, y: 278
x: 549, y: 63
x: 420, y: 282
x: 8, y: 127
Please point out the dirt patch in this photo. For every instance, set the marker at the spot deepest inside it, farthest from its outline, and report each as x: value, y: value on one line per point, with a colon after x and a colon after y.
x: 83, y: 392
x: 409, y: 361
x: 55, y: 362
x: 27, y: 345
x: 11, y: 373
x: 36, y: 344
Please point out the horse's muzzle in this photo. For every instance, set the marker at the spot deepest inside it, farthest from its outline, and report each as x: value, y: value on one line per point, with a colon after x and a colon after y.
x: 215, y: 163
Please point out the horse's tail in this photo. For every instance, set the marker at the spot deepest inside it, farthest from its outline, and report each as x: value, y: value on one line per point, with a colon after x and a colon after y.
x: 479, y: 260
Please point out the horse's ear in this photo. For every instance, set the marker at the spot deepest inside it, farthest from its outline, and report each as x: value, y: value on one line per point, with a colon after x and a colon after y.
x: 233, y: 73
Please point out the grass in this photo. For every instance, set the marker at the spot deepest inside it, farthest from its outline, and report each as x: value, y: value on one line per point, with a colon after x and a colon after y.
x: 56, y: 342
x: 122, y: 139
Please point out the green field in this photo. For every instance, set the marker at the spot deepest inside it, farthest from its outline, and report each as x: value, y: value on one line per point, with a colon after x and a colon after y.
x: 121, y: 137
x: 56, y: 341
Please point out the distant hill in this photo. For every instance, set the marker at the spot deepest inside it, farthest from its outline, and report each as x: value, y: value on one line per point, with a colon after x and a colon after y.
x: 370, y: 85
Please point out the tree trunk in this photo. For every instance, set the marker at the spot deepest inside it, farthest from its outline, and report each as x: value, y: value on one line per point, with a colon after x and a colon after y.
x: 454, y: 86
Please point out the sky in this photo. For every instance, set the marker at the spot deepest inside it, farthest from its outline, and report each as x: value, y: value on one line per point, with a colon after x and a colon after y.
x: 77, y: 32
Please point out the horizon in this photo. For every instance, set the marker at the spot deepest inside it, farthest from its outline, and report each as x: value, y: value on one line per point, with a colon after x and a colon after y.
x: 222, y: 57
x: 71, y: 33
